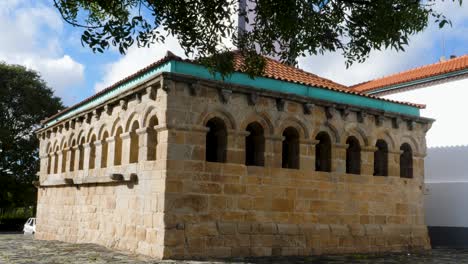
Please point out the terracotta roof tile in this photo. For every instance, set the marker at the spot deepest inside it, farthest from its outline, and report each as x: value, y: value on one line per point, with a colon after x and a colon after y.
x: 279, y: 71
x: 426, y: 71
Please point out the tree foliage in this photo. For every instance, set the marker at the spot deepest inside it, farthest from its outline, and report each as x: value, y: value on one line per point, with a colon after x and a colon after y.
x: 25, y: 100
x: 285, y: 29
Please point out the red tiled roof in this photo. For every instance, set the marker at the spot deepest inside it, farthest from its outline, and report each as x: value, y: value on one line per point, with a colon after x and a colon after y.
x: 273, y: 69
x: 439, y: 68
x: 280, y: 71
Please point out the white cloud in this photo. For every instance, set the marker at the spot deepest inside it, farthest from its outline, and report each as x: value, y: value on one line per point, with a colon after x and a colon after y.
x: 135, y: 59
x: 380, y: 63
x: 33, y: 38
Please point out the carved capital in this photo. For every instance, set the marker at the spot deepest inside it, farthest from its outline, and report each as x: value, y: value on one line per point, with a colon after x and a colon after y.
x: 123, y: 104
x: 379, y: 120
x: 225, y: 95
x: 410, y: 124
x: 193, y: 88
x: 308, y: 108
x: 329, y: 112
x: 151, y: 92
x: 344, y: 113
x: 166, y: 85
x: 396, y: 122
x: 280, y: 104
x: 361, y: 116
x: 252, y: 98
x: 138, y: 97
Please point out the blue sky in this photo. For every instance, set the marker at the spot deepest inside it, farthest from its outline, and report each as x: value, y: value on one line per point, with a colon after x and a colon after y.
x: 39, y: 39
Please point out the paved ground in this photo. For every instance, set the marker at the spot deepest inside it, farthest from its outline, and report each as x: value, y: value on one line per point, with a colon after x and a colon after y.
x: 17, y: 248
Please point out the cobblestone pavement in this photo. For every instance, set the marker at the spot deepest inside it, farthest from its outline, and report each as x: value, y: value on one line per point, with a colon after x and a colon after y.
x: 18, y: 248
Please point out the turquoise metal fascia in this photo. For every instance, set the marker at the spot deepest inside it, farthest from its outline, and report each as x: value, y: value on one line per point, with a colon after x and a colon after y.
x: 294, y: 88
x: 165, y: 67
x: 420, y: 81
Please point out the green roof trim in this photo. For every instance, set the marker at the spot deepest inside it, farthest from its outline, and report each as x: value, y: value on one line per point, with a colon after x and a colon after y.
x: 416, y: 82
x: 187, y: 68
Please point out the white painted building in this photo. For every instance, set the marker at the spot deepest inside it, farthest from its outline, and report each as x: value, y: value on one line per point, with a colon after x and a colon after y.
x: 443, y: 88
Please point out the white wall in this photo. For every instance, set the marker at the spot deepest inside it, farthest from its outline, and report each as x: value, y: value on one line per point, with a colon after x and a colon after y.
x: 448, y: 104
x: 446, y: 164
x: 446, y: 204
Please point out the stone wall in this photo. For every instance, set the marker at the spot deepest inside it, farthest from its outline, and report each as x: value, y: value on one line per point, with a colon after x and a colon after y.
x: 118, y: 206
x: 125, y: 216
x: 229, y: 209
x: 100, y: 182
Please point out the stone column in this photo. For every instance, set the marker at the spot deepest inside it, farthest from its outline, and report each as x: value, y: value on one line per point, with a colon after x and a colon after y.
x: 110, y: 151
x: 87, y: 152
x: 307, y: 154
x: 126, y: 147
x: 77, y: 158
x: 98, y: 152
x: 143, y: 146
x: 60, y: 160
x: 418, y: 167
x: 394, y: 163
x: 163, y: 139
x: 66, y: 160
x: 236, y: 146
x: 339, y: 158
x: 52, y: 162
x: 274, y: 151
x: 367, y: 160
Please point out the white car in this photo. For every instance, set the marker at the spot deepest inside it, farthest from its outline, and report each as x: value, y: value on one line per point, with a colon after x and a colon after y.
x: 30, y: 226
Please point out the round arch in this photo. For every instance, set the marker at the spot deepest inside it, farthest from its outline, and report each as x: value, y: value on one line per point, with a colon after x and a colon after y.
x: 131, y: 120
x: 330, y: 129
x: 412, y: 142
x: 385, y: 135
x: 263, y: 119
x: 358, y: 133
x: 149, y: 113
x: 228, y: 119
x: 115, y: 125
x: 295, y: 123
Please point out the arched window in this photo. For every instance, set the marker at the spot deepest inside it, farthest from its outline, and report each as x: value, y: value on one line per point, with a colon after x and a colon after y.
x: 381, y: 158
x: 255, y: 145
x: 152, y: 139
x: 406, y: 161
x: 64, y: 158
x: 105, y: 149
x: 92, y: 152
x: 118, y: 147
x: 353, y: 156
x: 81, y: 152
x: 216, y: 140
x: 323, y: 152
x: 72, y: 155
x: 134, y: 143
x: 290, y: 149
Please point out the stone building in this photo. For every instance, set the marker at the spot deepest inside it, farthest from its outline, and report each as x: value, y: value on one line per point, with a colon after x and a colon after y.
x: 175, y: 162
